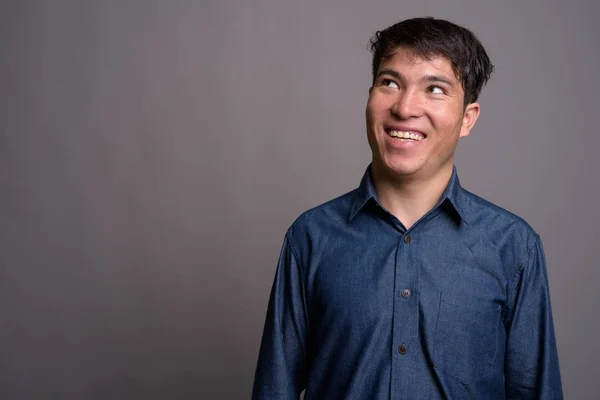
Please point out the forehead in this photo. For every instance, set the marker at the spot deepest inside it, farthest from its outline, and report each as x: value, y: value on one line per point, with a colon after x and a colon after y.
x: 405, y: 60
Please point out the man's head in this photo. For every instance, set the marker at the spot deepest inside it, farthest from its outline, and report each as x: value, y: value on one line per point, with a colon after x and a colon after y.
x: 427, y: 37
x: 427, y: 75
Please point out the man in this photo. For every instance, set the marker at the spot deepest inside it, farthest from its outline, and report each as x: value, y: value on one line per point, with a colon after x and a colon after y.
x: 410, y: 287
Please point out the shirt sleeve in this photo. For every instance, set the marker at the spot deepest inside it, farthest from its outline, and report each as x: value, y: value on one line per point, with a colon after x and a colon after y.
x: 531, y: 363
x: 281, y: 370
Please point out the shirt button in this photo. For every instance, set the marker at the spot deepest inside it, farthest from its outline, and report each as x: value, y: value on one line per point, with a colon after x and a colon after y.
x: 407, y: 239
x: 402, y: 349
x: 406, y: 293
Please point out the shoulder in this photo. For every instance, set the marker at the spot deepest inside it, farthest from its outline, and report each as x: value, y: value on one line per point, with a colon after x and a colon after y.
x: 334, y: 212
x: 315, y: 225
x: 498, y: 224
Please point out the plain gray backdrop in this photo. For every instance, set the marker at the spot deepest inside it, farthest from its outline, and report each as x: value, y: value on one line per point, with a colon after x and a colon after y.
x: 153, y: 154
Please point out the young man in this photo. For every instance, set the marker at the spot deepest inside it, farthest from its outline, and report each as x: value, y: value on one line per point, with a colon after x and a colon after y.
x: 410, y: 287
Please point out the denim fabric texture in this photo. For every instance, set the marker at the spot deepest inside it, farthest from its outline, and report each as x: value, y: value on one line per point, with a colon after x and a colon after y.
x: 456, y: 307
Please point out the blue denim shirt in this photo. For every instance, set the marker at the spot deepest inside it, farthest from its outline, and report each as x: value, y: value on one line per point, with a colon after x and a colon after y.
x: 456, y: 307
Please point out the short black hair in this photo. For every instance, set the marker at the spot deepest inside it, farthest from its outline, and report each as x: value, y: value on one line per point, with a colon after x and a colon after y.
x: 429, y: 37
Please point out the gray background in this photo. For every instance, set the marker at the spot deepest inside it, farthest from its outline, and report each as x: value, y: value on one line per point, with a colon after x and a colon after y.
x: 153, y: 154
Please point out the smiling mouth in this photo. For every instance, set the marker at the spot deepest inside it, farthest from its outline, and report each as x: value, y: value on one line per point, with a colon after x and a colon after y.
x: 405, y: 135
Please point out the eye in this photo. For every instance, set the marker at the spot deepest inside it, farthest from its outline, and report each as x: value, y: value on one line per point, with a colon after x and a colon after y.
x: 389, y: 83
x: 436, y: 90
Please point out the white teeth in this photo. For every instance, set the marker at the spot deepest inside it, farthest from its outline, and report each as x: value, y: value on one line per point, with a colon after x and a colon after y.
x: 406, y: 135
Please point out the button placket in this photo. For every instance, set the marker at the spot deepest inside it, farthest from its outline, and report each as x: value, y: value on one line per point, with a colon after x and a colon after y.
x: 406, y: 311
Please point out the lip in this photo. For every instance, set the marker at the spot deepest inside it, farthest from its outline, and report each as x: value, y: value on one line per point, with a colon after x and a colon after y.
x: 402, y: 144
x: 402, y: 128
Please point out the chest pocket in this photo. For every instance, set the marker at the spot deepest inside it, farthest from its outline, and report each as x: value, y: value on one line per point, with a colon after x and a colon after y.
x: 466, y: 336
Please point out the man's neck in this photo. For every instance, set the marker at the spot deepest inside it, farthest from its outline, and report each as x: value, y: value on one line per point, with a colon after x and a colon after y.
x: 409, y: 198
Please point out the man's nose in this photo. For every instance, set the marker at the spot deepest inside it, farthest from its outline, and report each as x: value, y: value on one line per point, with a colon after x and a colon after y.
x: 407, y: 105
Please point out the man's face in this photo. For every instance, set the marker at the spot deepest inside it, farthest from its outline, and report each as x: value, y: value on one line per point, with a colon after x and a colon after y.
x: 415, y: 115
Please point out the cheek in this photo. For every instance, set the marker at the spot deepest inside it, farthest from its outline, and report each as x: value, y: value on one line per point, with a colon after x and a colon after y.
x: 376, y: 107
x: 371, y: 108
x: 369, y: 113
x: 445, y: 120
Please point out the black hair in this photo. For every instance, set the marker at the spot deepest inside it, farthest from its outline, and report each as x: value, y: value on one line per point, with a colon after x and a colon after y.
x: 429, y: 37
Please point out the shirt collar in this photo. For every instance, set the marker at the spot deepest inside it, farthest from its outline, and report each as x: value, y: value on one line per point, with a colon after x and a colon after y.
x: 366, y: 191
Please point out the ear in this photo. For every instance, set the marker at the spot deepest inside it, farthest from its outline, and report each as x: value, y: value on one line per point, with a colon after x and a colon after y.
x: 469, y: 118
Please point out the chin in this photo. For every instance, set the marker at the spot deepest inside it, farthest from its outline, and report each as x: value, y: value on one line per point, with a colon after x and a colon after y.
x: 399, y: 169
x: 402, y: 171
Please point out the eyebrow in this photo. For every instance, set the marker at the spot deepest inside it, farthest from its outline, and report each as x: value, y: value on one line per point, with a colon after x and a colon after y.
x: 424, y: 79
